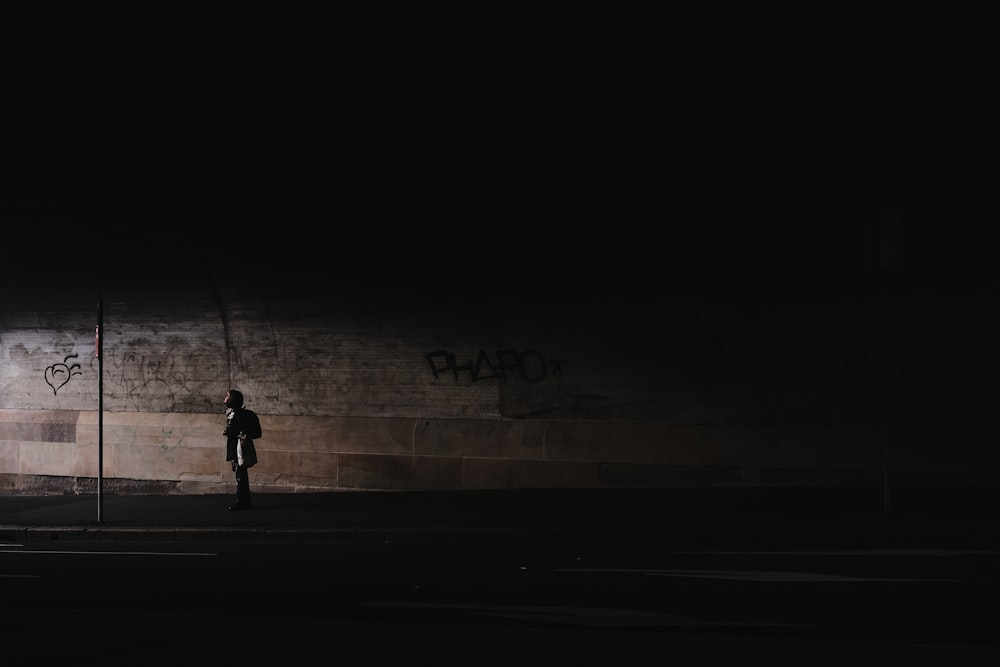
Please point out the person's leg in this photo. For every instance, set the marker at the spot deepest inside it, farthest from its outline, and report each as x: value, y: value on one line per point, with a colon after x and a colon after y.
x: 236, y: 476
x: 242, y: 490
x: 243, y: 487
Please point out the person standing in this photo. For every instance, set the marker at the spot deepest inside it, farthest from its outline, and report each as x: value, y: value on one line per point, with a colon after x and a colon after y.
x: 242, y: 426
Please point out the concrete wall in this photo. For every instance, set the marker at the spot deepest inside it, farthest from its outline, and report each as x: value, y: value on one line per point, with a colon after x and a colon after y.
x: 719, y: 382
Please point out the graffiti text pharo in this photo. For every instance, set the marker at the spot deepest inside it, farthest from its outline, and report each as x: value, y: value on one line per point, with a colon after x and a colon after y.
x: 527, y: 364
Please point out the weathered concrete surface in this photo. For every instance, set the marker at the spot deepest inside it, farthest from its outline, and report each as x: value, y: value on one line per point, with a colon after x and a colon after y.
x: 740, y: 387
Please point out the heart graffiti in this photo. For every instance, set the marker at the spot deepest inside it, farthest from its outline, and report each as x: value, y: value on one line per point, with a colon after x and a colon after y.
x: 58, y: 375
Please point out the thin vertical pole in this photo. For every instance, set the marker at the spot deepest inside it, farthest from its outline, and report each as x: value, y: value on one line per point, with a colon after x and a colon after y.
x: 100, y: 406
x: 887, y: 389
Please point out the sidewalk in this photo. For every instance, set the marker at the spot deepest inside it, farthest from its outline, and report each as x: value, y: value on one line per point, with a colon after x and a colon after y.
x: 814, y: 516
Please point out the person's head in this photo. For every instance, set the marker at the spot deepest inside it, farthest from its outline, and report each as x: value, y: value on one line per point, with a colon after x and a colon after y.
x: 234, y: 399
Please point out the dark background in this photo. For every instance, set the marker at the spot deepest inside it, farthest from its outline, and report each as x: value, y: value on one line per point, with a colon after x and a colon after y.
x: 585, y: 155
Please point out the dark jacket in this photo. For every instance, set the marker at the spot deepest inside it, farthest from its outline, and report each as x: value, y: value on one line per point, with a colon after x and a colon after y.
x: 241, y: 420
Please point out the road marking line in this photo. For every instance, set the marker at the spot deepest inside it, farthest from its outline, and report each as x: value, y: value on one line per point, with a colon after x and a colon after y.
x: 751, y: 575
x: 107, y: 553
x: 848, y: 552
x: 596, y: 616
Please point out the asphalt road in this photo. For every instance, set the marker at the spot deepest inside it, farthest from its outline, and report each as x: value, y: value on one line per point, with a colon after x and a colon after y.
x: 498, y: 597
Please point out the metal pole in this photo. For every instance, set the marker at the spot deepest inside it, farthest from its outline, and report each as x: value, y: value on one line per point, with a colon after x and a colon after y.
x: 885, y: 396
x: 100, y: 407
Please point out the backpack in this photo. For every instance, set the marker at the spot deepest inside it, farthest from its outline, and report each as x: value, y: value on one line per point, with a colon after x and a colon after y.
x: 250, y: 424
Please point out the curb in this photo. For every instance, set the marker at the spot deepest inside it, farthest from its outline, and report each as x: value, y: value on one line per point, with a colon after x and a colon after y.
x: 685, y: 534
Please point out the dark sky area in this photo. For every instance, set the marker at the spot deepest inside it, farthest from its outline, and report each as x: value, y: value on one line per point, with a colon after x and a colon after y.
x: 581, y: 147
